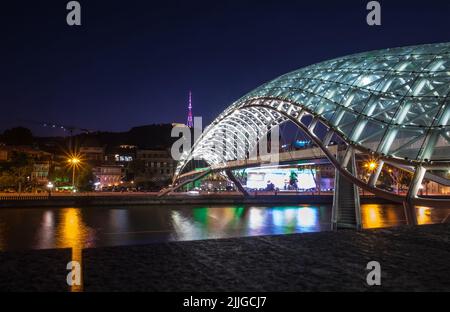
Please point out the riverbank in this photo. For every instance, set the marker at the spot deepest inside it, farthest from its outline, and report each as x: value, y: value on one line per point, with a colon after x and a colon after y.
x: 411, y: 259
x: 143, y: 199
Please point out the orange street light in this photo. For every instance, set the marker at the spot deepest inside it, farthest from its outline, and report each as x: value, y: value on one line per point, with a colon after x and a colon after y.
x: 74, y: 161
x: 371, y: 165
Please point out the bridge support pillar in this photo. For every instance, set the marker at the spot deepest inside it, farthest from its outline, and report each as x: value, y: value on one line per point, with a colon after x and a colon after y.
x: 236, y: 182
x: 346, y: 211
x: 346, y: 157
x: 408, y: 205
x: 376, y: 174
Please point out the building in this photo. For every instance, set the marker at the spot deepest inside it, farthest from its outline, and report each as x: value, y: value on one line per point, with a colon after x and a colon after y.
x: 7, y: 153
x: 154, y: 168
x: 123, y: 156
x: 93, y: 154
x: 157, y: 162
x: 107, y: 176
x: 40, y: 172
x: 120, y: 155
x: 3, y: 153
x: 41, y: 161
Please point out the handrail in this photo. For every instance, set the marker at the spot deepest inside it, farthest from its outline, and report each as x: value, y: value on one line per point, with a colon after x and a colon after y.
x: 24, y: 197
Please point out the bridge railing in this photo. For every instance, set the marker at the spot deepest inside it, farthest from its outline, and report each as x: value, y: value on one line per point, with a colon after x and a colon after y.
x: 24, y: 197
x: 302, y: 154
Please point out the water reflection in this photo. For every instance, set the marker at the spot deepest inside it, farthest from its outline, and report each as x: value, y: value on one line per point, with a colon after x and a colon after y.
x: 45, y: 236
x: 307, y: 217
x: 424, y: 215
x: 376, y: 216
x: 201, y: 223
x: 72, y: 232
x: 80, y: 228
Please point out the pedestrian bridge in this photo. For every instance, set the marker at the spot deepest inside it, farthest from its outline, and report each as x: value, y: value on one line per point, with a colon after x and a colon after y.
x: 391, y: 104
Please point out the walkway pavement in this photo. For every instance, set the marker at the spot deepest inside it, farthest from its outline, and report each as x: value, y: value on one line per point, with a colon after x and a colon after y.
x: 412, y: 259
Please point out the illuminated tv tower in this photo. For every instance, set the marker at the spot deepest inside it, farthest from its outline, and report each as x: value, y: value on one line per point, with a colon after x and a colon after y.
x: 190, y: 122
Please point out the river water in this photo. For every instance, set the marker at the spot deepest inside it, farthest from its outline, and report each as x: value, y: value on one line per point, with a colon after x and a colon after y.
x: 78, y: 228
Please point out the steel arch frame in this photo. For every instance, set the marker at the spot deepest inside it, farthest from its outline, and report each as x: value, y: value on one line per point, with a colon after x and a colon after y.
x: 392, y: 104
x: 286, y: 108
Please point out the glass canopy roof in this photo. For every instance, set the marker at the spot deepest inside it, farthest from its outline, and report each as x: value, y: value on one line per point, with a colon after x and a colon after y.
x: 394, y: 101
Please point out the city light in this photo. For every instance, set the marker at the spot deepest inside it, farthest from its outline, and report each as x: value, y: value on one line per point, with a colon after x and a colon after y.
x: 371, y: 165
x: 74, y: 161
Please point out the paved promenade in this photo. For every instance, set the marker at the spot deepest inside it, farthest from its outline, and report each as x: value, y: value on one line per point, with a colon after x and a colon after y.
x: 412, y: 259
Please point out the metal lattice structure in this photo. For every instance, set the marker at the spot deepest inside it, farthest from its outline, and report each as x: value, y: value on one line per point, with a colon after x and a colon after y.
x: 393, y: 104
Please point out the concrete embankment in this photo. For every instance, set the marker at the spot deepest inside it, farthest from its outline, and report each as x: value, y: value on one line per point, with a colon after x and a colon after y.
x: 123, y: 200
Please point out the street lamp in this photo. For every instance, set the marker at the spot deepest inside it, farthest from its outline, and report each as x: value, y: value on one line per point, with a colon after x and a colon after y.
x: 50, y: 187
x: 371, y: 165
x: 74, y: 162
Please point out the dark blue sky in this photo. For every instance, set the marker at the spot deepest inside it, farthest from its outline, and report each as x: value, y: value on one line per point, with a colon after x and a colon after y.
x: 133, y: 62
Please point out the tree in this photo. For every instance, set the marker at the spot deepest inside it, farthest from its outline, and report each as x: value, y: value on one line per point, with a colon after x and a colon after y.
x: 60, y: 175
x: 293, y: 179
x: 18, y: 136
x: 386, y: 178
x: 404, y: 178
x: 21, y: 168
x: 6, y: 180
x: 85, y: 178
x: 20, y: 175
x: 16, y: 172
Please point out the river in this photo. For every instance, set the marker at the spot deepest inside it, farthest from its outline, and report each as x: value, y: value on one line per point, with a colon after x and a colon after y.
x: 42, y: 228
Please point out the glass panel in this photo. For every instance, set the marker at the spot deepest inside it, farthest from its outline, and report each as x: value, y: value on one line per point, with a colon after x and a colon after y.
x: 371, y: 135
x: 407, y: 143
x: 442, y: 148
x: 347, y: 123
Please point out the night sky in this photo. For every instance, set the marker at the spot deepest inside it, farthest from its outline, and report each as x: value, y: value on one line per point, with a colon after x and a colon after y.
x: 133, y: 62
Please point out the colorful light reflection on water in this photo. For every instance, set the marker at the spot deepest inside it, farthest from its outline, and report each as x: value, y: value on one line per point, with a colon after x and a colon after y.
x: 249, y: 221
x: 80, y: 228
